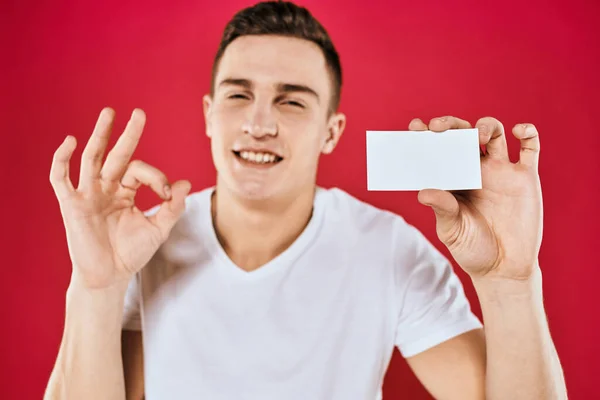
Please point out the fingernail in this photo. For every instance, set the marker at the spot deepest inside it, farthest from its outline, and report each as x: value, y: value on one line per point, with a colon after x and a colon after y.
x: 167, y: 190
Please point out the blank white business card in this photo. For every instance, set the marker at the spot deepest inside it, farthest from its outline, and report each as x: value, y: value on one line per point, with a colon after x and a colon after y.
x: 410, y: 160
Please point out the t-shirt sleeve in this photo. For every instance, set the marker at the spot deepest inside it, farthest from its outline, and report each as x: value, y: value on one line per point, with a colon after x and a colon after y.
x: 432, y: 304
x: 132, y: 320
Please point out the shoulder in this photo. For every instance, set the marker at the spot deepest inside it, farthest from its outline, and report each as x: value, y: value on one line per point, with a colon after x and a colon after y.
x: 351, y: 213
x: 379, y: 230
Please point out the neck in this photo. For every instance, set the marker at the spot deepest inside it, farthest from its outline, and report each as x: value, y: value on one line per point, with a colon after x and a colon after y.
x: 251, y: 232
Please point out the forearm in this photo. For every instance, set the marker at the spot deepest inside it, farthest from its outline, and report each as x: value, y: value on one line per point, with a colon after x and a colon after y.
x: 521, y: 358
x: 89, y: 364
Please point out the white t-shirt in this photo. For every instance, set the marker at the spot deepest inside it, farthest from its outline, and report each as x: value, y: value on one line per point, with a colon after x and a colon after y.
x: 319, y: 322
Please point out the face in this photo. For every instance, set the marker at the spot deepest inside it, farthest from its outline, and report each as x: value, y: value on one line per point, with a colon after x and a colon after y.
x: 269, y: 119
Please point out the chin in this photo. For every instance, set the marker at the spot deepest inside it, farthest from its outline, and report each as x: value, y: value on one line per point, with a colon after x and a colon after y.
x: 248, y: 183
x: 251, y: 188
x: 254, y: 190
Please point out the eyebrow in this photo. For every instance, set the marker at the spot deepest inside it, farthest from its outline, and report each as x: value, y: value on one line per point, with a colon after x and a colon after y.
x: 281, y: 87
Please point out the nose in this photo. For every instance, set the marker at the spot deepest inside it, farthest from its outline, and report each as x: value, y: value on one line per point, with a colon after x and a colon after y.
x: 261, y: 122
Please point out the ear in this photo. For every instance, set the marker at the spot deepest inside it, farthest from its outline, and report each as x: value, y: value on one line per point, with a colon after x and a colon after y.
x: 335, y: 128
x: 206, y: 105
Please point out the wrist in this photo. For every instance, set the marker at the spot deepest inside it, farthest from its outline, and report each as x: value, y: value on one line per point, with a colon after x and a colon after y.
x: 501, y: 289
x: 80, y: 283
x: 79, y: 292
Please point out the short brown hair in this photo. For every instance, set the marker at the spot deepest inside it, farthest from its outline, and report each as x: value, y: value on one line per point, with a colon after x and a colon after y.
x: 285, y: 19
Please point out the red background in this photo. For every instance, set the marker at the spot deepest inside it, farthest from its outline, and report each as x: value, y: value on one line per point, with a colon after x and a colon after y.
x: 520, y: 61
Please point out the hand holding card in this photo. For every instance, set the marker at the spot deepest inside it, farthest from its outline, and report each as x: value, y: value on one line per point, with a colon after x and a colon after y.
x: 494, y: 233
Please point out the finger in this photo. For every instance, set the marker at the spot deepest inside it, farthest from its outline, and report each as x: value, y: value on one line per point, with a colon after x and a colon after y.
x: 443, y: 202
x: 140, y: 173
x: 59, y: 171
x: 118, y: 158
x: 170, y: 211
x: 530, y: 144
x: 441, y: 124
x: 491, y: 134
x: 91, y: 159
x: 417, y: 125
x: 446, y: 209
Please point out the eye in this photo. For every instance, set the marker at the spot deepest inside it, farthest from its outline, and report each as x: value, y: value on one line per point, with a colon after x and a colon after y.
x: 237, y: 96
x: 293, y: 103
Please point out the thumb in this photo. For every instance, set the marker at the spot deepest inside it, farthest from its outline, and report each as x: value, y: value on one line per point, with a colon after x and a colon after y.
x: 445, y: 207
x: 170, y: 211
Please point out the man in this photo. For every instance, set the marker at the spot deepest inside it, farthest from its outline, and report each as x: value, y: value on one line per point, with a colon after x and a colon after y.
x: 267, y: 287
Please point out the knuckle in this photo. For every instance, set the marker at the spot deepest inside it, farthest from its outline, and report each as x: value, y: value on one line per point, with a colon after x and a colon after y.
x: 90, y: 157
x: 161, y: 178
x: 493, y: 122
x: 54, y: 177
x: 136, y: 164
x: 498, y: 124
x: 157, y: 173
x: 168, y: 214
x: 89, y: 153
x: 463, y: 122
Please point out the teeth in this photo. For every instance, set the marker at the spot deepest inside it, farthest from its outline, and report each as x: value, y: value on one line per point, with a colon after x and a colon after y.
x: 259, y: 158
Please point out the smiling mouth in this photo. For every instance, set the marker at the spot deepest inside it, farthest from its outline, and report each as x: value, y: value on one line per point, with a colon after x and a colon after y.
x: 257, y: 158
